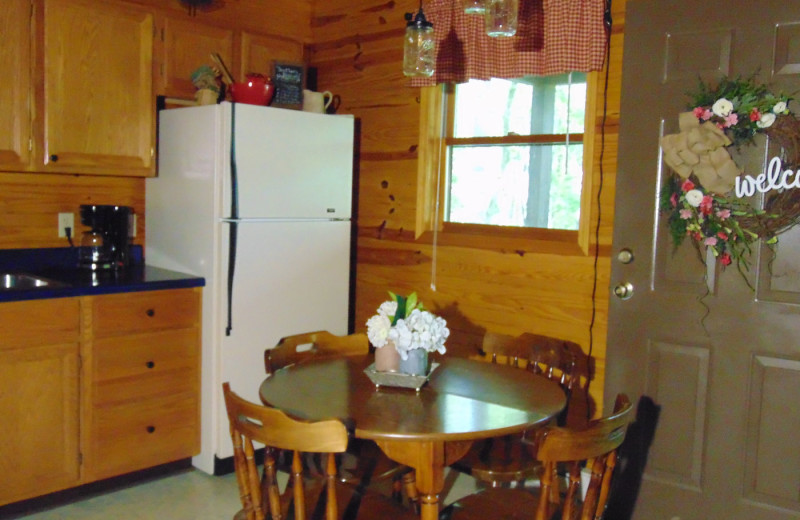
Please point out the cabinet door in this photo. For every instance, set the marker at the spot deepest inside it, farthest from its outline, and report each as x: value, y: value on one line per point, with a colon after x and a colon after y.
x: 187, y: 46
x: 15, y: 59
x: 258, y: 52
x: 99, y: 108
x: 39, y: 398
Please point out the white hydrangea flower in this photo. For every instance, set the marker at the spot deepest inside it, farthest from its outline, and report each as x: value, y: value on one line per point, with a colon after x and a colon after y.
x: 420, y: 329
x: 378, y: 329
x: 766, y: 120
x: 694, y: 197
x: 402, y: 337
x: 722, y: 107
x: 388, y: 308
x: 779, y: 108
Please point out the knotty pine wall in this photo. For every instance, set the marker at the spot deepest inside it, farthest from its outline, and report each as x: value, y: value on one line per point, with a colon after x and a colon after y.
x: 357, y: 48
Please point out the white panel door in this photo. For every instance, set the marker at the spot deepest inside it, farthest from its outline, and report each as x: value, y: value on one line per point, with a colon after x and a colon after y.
x: 290, y: 277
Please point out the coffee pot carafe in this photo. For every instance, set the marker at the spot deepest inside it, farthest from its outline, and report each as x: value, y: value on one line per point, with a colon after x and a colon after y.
x: 105, y: 245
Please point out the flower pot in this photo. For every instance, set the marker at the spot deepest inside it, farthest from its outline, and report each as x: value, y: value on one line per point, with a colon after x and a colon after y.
x: 416, y: 364
x: 387, y: 359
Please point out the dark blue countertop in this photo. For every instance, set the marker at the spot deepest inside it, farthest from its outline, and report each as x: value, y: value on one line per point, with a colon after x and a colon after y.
x: 60, y: 266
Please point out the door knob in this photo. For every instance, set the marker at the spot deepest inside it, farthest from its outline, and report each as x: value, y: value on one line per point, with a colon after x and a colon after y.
x: 624, y: 290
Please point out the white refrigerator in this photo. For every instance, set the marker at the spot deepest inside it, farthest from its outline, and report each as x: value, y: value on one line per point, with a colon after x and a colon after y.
x: 258, y: 201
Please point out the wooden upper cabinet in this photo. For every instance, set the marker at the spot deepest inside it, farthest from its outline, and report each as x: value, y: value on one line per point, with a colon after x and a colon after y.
x: 98, y: 102
x: 15, y: 59
x: 258, y: 52
x: 186, y: 46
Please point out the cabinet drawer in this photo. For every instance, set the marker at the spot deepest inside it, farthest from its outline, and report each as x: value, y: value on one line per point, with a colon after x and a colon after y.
x: 144, y: 434
x: 145, y: 365
x: 145, y: 311
x: 39, y: 322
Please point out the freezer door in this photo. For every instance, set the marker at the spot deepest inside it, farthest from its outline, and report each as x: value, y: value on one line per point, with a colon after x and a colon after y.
x: 289, y: 277
x: 291, y: 164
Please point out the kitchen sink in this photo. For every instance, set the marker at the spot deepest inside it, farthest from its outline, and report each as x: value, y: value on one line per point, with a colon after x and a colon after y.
x: 23, y: 281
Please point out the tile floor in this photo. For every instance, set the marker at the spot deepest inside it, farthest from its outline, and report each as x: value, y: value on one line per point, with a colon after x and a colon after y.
x: 184, y: 495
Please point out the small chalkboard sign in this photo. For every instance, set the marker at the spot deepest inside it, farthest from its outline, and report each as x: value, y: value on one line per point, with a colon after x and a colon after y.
x: 289, y: 79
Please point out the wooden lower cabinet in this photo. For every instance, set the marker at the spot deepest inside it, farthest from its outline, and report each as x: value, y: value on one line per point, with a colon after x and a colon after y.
x: 39, y: 397
x: 142, y: 395
x: 97, y: 386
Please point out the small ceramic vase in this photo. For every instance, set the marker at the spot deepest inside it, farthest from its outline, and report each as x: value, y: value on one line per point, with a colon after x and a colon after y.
x: 387, y: 359
x: 416, y: 364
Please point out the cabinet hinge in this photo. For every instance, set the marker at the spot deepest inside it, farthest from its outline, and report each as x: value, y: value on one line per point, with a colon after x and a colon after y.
x: 30, y: 144
x: 80, y: 459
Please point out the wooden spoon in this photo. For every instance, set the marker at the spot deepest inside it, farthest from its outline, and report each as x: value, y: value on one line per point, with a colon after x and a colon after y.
x: 226, y: 75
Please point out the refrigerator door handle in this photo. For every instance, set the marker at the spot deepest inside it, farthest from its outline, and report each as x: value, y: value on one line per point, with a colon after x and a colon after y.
x: 234, y: 225
x: 231, y: 269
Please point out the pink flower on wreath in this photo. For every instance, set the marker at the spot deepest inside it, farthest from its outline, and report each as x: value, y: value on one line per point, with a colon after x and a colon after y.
x: 731, y: 119
x: 705, y: 204
x: 686, y: 214
x: 725, y: 258
x: 687, y: 185
x: 723, y: 213
x: 703, y: 114
x: 710, y: 241
x: 755, y: 115
x: 674, y: 199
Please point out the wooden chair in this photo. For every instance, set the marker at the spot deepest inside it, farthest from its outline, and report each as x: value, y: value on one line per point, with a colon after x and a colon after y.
x: 319, y: 344
x: 500, y: 460
x: 371, y: 464
x: 568, y: 450
x: 307, y: 495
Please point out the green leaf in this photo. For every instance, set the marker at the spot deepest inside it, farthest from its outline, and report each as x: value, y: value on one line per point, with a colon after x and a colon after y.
x: 401, y: 309
x: 411, y: 303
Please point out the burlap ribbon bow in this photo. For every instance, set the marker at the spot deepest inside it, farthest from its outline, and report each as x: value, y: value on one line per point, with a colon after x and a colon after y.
x: 699, y: 149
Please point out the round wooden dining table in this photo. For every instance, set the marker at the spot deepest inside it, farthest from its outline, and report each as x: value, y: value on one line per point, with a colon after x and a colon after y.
x: 428, y: 429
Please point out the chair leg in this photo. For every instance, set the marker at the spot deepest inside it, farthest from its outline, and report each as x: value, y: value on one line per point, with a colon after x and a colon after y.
x: 410, y: 485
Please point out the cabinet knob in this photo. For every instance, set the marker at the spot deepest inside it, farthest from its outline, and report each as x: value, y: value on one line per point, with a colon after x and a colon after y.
x: 150, y: 364
x: 151, y: 429
x: 54, y: 158
x: 150, y: 312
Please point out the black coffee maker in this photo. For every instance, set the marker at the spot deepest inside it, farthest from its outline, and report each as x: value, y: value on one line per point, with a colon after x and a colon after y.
x: 106, y: 245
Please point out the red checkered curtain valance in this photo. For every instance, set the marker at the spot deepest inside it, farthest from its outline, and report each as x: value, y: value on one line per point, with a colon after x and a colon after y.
x: 553, y: 37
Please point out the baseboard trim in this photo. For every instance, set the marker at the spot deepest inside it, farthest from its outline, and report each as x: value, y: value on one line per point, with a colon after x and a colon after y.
x: 67, y: 496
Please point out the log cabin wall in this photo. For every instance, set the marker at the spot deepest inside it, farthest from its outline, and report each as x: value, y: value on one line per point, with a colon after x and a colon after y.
x: 250, y: 30
x: 357, y: 49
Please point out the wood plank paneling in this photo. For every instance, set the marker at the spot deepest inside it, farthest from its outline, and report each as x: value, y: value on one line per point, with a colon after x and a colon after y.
x: 30, y: 203
x: 357, y: 49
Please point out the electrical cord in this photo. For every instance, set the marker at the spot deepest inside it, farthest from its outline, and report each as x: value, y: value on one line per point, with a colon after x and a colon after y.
x: 68, y: 233
x: 607, y: 22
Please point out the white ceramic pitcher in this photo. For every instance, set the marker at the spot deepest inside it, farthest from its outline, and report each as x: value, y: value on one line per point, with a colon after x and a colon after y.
x: 316, y: 101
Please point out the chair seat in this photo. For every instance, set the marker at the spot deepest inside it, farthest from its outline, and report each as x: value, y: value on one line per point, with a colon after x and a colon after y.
x: 501, y: 459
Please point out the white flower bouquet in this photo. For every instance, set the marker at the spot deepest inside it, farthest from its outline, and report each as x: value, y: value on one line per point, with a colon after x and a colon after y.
x: 405, y: 322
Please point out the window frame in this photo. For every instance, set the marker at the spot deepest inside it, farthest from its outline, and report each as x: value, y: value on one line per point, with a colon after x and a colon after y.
x: 436, y: 115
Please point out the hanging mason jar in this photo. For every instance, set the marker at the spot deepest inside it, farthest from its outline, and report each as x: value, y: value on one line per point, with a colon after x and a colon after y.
x: 418, y: 50
x: 501, y: 17
x: 474, y: 6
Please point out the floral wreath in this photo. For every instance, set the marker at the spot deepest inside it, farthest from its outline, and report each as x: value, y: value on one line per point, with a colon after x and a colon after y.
x: 704, y: 198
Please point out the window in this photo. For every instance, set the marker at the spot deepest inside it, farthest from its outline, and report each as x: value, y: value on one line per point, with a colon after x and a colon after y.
x: 514, y: 152
x: 505, y: 164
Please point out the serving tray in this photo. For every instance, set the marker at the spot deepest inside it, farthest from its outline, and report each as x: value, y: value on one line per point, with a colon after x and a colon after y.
x: 397, y: 379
